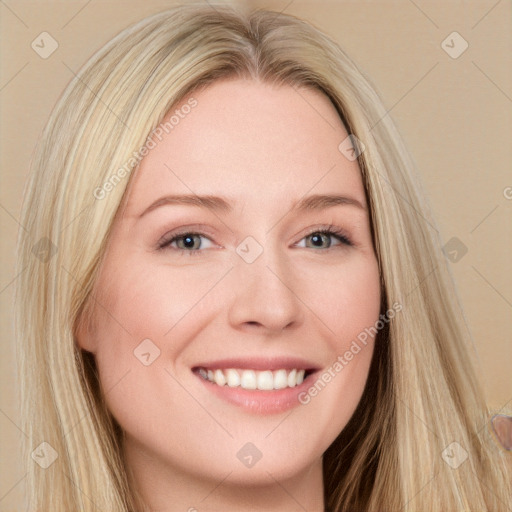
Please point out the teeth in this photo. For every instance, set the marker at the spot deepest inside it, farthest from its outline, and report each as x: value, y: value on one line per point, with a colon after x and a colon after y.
x: 219, y: 378
x: 248, y: 380
x: 252, y: 379
x: 265, y: 380
x: 233, y: 378
x: 280, y: 379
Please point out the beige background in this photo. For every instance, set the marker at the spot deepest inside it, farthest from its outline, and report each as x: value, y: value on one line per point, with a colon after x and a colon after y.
x: 455, y: 116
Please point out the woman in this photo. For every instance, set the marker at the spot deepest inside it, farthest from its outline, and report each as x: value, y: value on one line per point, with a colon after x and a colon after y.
x: 242, y: 305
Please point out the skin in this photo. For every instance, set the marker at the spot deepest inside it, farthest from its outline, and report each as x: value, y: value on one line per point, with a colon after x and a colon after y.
x: 262, y: 148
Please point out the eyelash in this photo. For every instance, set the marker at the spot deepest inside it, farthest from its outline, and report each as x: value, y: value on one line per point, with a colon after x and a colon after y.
x: 330, y: 230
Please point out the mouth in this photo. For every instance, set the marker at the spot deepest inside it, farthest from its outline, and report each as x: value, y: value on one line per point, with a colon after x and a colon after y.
x: 258, y: 385
x: 251, y: 379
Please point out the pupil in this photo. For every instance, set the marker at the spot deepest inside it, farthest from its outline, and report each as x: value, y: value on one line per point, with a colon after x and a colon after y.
x: 189, y: 241
x: 317, y: 239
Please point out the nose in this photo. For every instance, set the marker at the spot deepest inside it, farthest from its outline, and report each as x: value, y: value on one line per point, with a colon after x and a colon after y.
x: 265, y: 295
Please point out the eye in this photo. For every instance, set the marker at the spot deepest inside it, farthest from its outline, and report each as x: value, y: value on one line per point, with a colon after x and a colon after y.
x: 187, y: 242
x: 192, y: 243
x: 322, y: 238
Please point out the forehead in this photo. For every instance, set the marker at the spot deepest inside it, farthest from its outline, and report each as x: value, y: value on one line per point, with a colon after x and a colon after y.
x: 246, y: 139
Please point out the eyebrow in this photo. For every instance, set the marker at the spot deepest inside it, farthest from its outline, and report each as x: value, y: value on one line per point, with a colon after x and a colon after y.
x: 222, y: 205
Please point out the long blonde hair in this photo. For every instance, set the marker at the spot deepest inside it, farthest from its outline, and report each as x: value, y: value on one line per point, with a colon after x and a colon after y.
x: 422, y: 394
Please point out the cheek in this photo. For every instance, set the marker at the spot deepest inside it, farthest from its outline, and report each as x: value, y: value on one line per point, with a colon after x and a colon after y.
x: 143, y: 320
x: 349, y: 306
x: 136, y: 309
x: 149, y: 302
x: 346, y: 299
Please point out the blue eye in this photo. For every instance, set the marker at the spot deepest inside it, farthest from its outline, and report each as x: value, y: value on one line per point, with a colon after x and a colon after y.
x: 185, y: 242
x: 320, y: 237
x: 191, y: 243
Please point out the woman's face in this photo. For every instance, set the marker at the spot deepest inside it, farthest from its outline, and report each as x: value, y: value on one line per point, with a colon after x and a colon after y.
x: 216, y: 263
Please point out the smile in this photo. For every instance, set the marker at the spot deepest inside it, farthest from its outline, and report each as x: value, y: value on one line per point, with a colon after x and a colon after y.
x: 257, y: 385
x: 266, y: 380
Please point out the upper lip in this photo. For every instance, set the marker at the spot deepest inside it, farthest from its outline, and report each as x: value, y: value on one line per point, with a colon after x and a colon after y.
x: 259, y: 363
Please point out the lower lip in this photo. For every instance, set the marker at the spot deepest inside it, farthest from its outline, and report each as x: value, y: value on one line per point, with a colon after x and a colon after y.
x: 260, y: 402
